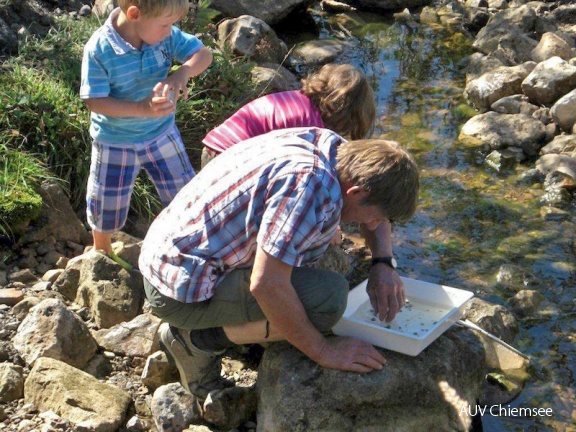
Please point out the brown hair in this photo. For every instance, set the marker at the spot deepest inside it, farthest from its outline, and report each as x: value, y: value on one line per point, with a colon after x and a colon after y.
x: 154, y: 8
x: 344, y: 98
x: 386, y: 171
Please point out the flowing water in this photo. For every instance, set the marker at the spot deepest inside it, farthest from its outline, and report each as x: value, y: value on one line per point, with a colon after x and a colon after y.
x: 471, y: 220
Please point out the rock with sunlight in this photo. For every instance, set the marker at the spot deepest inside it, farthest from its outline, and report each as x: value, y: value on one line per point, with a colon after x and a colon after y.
x: 426, y: 392
x: 500, y: 131
x: 270, y: 11
x: 88, y: 404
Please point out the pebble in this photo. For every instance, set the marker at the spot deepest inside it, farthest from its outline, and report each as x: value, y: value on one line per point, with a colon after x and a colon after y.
x: 11, y: 296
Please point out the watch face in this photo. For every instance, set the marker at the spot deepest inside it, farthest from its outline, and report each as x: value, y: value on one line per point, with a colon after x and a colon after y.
x: 393, y: 262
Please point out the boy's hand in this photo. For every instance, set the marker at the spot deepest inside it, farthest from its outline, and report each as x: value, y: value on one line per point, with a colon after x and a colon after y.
x: 177, y: 84
x: 159, y: 103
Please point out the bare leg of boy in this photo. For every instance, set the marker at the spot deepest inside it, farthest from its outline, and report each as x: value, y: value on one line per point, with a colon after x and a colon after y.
x: 103, y: 242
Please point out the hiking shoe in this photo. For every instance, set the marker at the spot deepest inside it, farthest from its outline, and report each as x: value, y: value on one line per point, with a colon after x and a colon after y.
x: 199, y: 370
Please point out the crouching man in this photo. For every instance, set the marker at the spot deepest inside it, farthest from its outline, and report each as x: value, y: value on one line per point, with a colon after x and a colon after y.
x: 222, y: 263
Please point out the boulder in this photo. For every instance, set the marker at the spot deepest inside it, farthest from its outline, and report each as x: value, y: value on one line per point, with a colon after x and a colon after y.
x: 560, y: 144
x: 506, y: 41
x: 173, y: 408
x: 76, y: 396
x: 551, y: 45
x: 504, y: 81
x: 515, y: 104
x: 499, y: 131
x: 112, y: 294
x: 390, y: 5
x: 137, y: 337
x: 426, y: 392
x: 317, y: 52
x: 478, y: 64
x: 52, y: 330
x: 564, y: 111
x: 269, y: 11
x: 550, y: 163
x: 493, y: 318
x: 253, y: 38
x: 57, y: 218
x: 271, y: 77
x: 11, y: 382
x: 549, y: 81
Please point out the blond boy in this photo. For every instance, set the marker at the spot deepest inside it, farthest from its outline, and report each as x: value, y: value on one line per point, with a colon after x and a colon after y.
x: 132, y: 98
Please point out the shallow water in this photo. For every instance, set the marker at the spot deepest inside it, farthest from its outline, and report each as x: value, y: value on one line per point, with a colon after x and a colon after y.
x: 471, y: 219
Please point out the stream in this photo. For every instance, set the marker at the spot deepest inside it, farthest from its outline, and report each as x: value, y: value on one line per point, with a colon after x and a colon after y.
x: 471, y: 220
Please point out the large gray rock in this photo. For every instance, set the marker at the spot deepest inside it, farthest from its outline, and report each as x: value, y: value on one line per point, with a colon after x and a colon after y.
x: 505, y: 41
x: 504, y: 81
x: 52, y: 330
x: 271, y: 77
x: 76, y: 396
x: 549, y: 81
x: 560, y: 163
x: 524, y: 17
x: 11, y: 382
x: 560, y: 144
x: 390, y: 5
x: 57, y: 218
x: 493, y: 318
x: 134, y: 338
x: 500, y: 131
x: 426, y: 392
x: 515, y: 104
x: 317, y: 52
x: 564, y: 111
x: 173, y: 408
x: 270, y: 11
x: 551, y: 45
x: 112, y: 294
x: 253, y: 38
x: 478, y: 64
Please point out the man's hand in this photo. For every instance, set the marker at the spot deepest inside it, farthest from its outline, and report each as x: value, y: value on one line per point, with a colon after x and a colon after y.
x: 349, y: 354
x: 386, y: 292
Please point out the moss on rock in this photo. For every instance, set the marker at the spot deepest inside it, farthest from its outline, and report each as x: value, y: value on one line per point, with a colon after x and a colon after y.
x: 18, y: 208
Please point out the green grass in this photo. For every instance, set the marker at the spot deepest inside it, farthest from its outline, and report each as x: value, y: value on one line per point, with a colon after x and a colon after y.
x: 20, y: 177
x: 46, y: 126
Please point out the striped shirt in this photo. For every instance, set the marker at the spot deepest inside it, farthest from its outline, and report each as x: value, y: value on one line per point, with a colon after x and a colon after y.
x: 284, y: 198
x: 274, y: 111
x: 111, y: 67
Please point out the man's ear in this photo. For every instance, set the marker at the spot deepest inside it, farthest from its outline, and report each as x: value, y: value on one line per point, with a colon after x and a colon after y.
x: 353, y: 190
x: 357, y: 192
x: 133, y: 13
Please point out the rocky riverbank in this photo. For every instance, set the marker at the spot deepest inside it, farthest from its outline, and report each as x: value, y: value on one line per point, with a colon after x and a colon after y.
x: 77, y: 347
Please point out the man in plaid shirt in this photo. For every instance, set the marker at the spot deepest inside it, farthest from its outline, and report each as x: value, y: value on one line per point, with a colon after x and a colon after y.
x: 222, y: 263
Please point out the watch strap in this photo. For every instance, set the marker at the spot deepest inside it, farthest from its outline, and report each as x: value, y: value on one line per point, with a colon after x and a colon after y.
x: 388, y: 260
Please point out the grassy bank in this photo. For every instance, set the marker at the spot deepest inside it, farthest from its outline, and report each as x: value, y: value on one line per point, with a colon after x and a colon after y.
x: 44, y: 124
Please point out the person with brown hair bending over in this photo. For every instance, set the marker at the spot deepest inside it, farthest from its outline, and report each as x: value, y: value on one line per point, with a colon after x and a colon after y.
x: 223, y: 263
x: 337, y: 97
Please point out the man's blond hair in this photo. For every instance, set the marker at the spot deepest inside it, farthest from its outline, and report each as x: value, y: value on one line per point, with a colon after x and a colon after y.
x: 386, y: 171
x: 155, y: 8
x: 344, y: 97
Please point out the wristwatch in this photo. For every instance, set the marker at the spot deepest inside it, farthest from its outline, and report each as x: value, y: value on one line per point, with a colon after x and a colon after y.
x: 388, y: 260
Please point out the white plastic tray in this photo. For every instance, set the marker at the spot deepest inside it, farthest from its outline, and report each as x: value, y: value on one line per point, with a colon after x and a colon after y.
x: 430, y: 311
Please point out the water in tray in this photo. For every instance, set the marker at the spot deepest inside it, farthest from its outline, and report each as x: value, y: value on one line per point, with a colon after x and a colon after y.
x: 416, y: 319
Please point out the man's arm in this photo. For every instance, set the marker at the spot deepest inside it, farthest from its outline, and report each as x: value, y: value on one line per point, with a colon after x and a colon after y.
x: 271, y: 285
x: 385, y: 288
